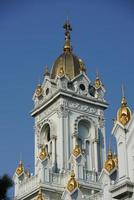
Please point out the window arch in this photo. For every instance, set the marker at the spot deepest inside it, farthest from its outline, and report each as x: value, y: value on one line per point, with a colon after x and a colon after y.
x: 45, y: 134
x: 84, y: 129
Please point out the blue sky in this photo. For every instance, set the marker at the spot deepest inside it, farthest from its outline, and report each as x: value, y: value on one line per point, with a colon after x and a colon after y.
x: 31, y: 36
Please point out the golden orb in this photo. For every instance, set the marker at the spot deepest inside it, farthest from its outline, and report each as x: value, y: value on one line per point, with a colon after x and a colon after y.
x: 124, y: 113
x: 109, y: 163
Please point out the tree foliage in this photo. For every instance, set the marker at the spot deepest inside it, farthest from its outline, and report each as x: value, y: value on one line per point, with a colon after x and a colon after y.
x: 5, y: 183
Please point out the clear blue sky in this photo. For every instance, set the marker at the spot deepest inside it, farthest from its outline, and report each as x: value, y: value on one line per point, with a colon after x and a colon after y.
x: 31, y: 36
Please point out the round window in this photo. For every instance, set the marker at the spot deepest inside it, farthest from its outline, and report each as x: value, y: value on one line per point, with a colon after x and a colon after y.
x: 82, y: 87
x: 47, y: 91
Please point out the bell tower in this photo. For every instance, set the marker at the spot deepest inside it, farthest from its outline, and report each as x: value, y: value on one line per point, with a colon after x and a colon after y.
x: 69, y: 128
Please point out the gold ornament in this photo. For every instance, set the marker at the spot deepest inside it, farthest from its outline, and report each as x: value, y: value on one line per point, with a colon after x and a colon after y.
x: 61, y: 71
x: 72, y: 183
x: 76, y: 151
x: 39, y: 91
x: 20, y: 168
x: 43, y: 154
x: 109, y: 163
x: 40, y: 197
x: 124, y: 113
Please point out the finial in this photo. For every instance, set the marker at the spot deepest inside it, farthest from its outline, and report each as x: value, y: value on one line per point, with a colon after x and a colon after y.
x: 46, y: 71
x: 124, y: 113
x: 20, y: 168
x: 67, y: 27
x: 98, y: 82
x: 123, y: 102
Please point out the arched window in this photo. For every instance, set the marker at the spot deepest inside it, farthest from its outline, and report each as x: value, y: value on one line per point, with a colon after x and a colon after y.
x: 84, y: 129
x: 84, y: 137
x: 45, y: 134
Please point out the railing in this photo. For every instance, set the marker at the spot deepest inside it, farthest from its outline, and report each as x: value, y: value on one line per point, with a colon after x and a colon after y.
x: 28, y: 184
x: 52, y: 179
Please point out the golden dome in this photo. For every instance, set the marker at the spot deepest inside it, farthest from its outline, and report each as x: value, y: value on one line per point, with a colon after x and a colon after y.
x: 20, y: 168
x: 76, y: 151
x: 72, y: 183
x: 43, y: 154
x: 109, y: 163
x: 67, y: 62
x: 40, y: 197
x: 124, y: 112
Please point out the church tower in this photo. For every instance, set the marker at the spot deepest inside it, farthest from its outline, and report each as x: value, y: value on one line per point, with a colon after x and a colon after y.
x: 70, y: 141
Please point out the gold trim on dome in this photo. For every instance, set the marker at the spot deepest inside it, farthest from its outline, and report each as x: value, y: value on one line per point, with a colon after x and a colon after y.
x: 72, y: 183
x: 43, y: 154
x: 124, y: 113
x: 20, y: 168
x: 61, y: 71
x: 39, y: 91
x: 40, y: 197
x: 109, y: 163
x: 76, y: 151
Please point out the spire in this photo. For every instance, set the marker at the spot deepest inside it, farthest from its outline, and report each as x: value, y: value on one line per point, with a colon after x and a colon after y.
x: 98, y: 82
x: 67, y: 45
x: 123, y: 102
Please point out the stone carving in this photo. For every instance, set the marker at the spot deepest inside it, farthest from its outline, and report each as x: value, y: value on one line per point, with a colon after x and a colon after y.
x: 62, y: 111
x: 80, y: 107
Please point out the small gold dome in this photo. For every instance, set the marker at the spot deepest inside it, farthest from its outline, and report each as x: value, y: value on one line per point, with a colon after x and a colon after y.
x: 20, y: 168
x: 72, y: 183
x: 40, y: 197
x: 43, y: 154
x: 109, y: 163
x: 124, y: 113
x: 69, y: 63
x: 76, y: 151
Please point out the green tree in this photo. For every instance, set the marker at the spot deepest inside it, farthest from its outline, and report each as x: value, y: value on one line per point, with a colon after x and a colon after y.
x: 5, y: 183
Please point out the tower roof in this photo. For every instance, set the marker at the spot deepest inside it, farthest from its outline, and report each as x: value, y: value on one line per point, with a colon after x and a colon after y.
x: 70, y: 64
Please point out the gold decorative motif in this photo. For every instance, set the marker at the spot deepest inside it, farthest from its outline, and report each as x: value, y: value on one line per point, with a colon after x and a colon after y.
x: 39, y: 91
x: 61, y: 71
x: 76, y: 151
x: 40, y: 197
x: 72, y: 183
x: 115, y: 159
x: 20, y: 168
x: 124, y: 112
x: 109, y: 163
x: 98, y: 82
x: 43, y: 154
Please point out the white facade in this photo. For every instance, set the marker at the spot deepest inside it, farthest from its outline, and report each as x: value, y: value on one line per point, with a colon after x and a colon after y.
x: 69, y: 115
